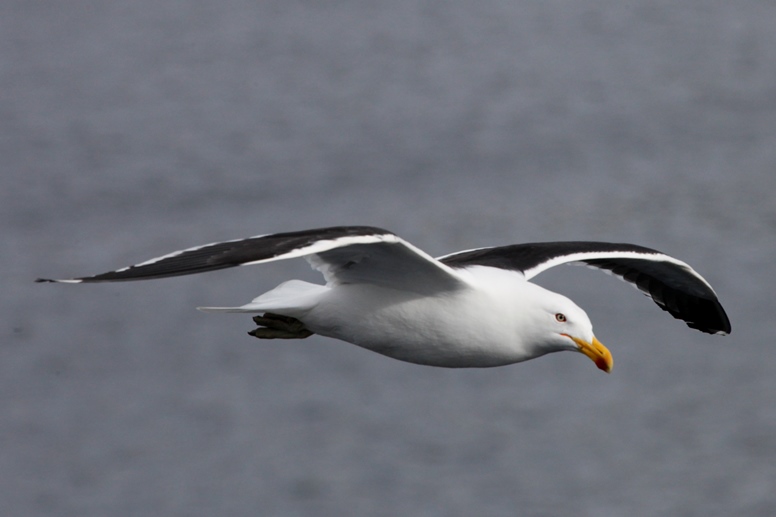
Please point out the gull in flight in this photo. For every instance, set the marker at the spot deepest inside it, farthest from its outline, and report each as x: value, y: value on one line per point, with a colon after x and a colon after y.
x: 473, y: 308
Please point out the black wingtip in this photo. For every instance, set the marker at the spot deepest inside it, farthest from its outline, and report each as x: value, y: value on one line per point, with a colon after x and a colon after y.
x: 706, y: 315
x: 724, y: 327
x: 55, y: 281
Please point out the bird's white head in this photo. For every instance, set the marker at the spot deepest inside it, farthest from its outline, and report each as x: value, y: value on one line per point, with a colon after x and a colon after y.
x: 559, y: 324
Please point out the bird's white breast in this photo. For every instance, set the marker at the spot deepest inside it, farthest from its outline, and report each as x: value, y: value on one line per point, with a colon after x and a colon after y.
x: 471, y: 327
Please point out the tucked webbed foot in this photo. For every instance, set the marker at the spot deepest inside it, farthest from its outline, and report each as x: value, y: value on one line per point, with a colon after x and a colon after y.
x: 277, y: 326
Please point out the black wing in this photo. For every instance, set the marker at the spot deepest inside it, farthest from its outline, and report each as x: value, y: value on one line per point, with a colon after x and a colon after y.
x: 344, y: 254
x: 673, y: 285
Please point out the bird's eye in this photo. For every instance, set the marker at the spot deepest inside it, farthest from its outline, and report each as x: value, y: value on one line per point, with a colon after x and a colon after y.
x: 560, y: 317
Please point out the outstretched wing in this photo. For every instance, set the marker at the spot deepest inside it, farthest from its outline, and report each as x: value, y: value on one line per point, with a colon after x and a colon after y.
x: 673, y: 285
x: 344, y: 254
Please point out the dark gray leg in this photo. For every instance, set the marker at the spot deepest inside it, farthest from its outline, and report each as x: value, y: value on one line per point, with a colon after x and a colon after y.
x: 277, y: 326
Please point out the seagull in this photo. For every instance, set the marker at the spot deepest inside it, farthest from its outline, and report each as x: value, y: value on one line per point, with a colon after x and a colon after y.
x: 470, y: 309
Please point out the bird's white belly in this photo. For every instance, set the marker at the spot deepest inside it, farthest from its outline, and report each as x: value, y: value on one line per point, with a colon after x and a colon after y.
x: 452, y: 330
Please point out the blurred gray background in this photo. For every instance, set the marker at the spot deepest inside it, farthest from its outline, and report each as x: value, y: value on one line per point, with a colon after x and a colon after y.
x: 131, y: 129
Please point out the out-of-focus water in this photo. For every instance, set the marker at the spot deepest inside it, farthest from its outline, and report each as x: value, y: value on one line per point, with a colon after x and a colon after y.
x: 131, y: 129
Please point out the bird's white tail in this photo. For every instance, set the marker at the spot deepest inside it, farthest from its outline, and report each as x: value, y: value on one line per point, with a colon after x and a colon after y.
x: 288, y: 298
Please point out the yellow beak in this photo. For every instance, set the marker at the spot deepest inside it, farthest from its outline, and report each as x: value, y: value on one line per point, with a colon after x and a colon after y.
x: 597, y: 352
